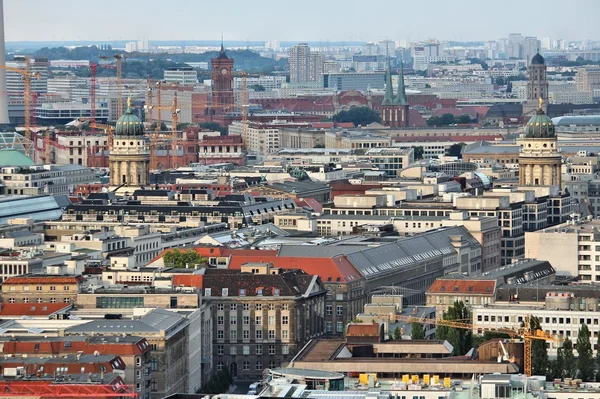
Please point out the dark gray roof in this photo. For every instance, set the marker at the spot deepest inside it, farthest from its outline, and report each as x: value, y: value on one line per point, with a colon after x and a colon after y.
x: 503, y: 110
x: 555, y: 110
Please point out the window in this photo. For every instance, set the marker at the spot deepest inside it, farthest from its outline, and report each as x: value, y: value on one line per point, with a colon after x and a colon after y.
x: 285, y: 350
x: 245, y: 307
x: 259, y: 334
x: 285, y: 306
x: 340, y: 327
x: 271, y: 334
x: 284, y: 334
x: 271, y: 306
x: 38, y: 288
x: 233, y: 334
x: 220, y: 307
x: 220, y: 334
x: 233, y: 320
x: 52, y: 288
x: 233, y: 306
x: 259, y: 349
x: 220, y: 349
x: 258, y: 306
x: 259, y: 365
x: 233, y: 350
x: 258, y: 320
x: 220, y: 366
x: 271, y: 349
x: 246, y: 334
x: 246, y: 365
x: 285, y: 320
x: 272, y: 364
x: 329, y: 327
x: 220, y: 320
x: 271, y: 320
x: 329, y: 310
x: 340, y: 311
x: 246, y: 349
x: 66, y: 288
x: 246, y: 320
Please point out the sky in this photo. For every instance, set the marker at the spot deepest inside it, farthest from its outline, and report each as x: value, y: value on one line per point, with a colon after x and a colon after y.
x: 304, y: 20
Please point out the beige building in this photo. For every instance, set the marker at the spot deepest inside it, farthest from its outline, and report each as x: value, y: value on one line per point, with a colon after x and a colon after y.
x: 144, y: 297
x: 302, y: 138
x: 44, y: 179
x: 41, y: 288
x: 588, y: 78
x: 356, y: 139
x: 75, y: 150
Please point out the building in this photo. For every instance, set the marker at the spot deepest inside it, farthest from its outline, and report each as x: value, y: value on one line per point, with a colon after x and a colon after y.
x: 129, y: 155
x: 305, y: 66
x: 395, y: 109
x: 356, y: 139
x: 270, y: 319
x: 588, y: 78
x: 539, y: 160
x: 29, y: 287
x: 537, y: 86
x: 390, y: 160
x: 37, y: 208
x: 15, y: 84
x: 362, y: 81
x: 182, y: 76
x: 223, y: 100
x: 222, y: 149
x: 44, y: 179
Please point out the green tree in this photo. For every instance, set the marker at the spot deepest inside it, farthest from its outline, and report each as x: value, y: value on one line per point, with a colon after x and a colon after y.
x: 257, y: 87
x: 358, y: 115
x: 585, y: 360
x: 539, y: 353
x: 463, y: 119
x: 557, y: 365
x: 455, y: 150
x: 460, y: 339
x: 418, y: 151
x: 180, y: 259
x: 447, y: 119
x: 417, y: 331
x: 397, y: 333
x: 500, y: 81
x: 214, y: 126
x: 427, y: 86
x: 163, y: 126
x: 569, y: 365
x: 434, y: 121
x: 319, y: 146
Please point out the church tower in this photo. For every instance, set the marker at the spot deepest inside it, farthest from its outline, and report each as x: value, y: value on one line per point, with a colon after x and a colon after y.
x: 537, y: 86
x: 539, y: 159
x: 129, y: 156
x: 222, y: 83
x: 394, y: 109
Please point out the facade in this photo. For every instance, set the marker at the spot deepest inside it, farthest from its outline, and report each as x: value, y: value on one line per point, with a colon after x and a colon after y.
x: 537, y: 85
x: 356, y: 139
x: 15, y: 85
x: 395, y: 109
x: 78, y: 149
x: 305, y: 66
x: 129, y: 157
x: 182, y: 76
x: 40, y: 288
x: 587, y: 78
x: 362, y: 81
x: 44, y: 179
x: 222, y: 149
x: 262, y: 316
x: 223, y: 99
x: 389, y: 160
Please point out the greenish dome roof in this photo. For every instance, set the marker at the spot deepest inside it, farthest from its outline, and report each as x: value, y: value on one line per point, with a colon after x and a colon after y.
x: 129, y: 125
x: 10, y: 157
x: 540, y: 126
x: 538, y: 60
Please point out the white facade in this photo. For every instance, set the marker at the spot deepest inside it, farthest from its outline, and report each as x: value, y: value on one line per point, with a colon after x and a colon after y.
x: 183, y: 76
x: 15, y: 85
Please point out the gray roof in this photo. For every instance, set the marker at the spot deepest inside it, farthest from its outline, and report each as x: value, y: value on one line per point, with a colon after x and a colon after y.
x: 373, y: 262
x: 152, y: 323
x: 318, y: 251
x: 579, y: 120
x: 492, y: 149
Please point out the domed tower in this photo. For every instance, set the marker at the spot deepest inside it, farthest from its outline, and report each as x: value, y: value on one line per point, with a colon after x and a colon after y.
x: 129, y: 156
x: 537, y: 85
x: 539, y: 159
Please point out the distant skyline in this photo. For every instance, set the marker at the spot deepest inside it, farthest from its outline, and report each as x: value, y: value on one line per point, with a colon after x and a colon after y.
x: 307, y: 20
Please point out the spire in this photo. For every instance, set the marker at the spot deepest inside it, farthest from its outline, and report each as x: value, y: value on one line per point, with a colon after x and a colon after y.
x: 401, y: 97
x: 222, y: 46
x: 388, y: 98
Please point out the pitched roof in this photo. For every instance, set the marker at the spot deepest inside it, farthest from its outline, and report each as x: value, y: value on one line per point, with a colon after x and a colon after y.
x: 363, y: 330
x: 471, y: 287
x: 27, y: 309
x: 43, y: 279
x: 289, y: 283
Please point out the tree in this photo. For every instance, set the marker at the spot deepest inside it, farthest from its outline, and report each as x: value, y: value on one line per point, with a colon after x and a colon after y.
x: 447, y: 119
x: 319, y: 146
x: 539, y: 353
x: 397, y: 333
x: 598, y: 359
x: 460, y: 339
x: 358, y: 115
x: 569, y: 365
x: 557, y: 365
x: 434, y: 121
x: 463, y: 119
x: 180, y: 259
x: 257, y: 87
x: 417, y: 331
x: 500, y: 81
x: 427, y: 86
x: 585, y: 360
x: 163, y: 126
x: 418, y: 152
x: 455, y: 150
x: 214, y: 126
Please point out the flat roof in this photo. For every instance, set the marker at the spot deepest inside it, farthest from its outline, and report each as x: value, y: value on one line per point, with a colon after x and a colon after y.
x: 306, y: 373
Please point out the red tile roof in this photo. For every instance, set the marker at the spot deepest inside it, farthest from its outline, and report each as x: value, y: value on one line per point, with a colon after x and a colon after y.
x: 187, y: 280
x: 310, y: 203
x: 363, y: 330
x: 43, y: 279
x: 28, y: 309
x: 471, y: 287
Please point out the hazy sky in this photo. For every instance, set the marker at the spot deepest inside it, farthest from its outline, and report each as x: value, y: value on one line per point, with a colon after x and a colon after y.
x: 304, y: 20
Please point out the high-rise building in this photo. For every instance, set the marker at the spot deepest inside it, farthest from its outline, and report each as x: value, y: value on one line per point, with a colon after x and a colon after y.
x: 129, y: 157
x: 537, y: 85
x: 394, y: 109
x: 529, y: 47
x: 305, y: 66
x: 546, y: 43
x: 15, y: 85
x: 387, y: 48
x: 3, y: 93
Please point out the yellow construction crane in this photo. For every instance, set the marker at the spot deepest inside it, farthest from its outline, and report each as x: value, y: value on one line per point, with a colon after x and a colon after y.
x: 27, y: 75
x: 119, y: 58
x: 174, y: 140
x: 525, y: 332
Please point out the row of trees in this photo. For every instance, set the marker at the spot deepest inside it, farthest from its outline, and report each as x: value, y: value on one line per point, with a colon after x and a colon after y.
x: 358, y: 115
x: 181, y: 259
x: 448, y: 119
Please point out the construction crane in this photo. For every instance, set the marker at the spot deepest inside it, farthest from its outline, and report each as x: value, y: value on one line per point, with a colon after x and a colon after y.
x: 27, y: 76
x: 174, y: 140
x: 245, y: 106
x: 93, y: 94
x: 525, y: 332
x: 119, y: 58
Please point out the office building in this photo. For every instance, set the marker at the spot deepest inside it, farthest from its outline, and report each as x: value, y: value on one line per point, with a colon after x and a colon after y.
x: 362, y: 81
x: 182, y: 76
x: 588, y: 78
x: 15, y: 84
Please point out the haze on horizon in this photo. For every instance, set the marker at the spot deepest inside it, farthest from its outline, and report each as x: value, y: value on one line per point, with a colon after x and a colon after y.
x: 307, y: 20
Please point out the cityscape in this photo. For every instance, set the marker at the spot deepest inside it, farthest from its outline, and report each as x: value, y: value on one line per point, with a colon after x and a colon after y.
x: 218, y: 216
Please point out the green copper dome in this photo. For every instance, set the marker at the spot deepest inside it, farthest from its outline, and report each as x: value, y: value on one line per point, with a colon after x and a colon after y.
x: 540, y: 126
x: 129, y: 125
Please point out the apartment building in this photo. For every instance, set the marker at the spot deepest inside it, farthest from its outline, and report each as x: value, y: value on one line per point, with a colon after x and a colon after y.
x: 262, y: 316
x: 44, y: 179
x: 587, y: 78
x: 40, y: 288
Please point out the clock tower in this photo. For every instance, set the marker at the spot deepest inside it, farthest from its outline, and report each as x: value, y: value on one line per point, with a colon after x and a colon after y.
x: 222, y: 84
